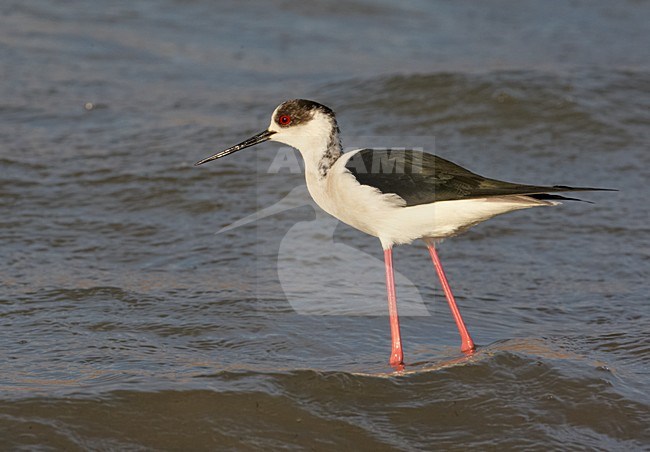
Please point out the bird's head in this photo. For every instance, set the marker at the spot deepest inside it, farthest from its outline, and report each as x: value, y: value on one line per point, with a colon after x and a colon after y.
x: 303, y: 124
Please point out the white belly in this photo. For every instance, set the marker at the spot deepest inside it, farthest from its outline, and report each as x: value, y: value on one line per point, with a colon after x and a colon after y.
x: 384, y: 215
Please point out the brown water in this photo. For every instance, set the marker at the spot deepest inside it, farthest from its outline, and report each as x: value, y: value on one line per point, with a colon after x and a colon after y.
x: 127, y: 323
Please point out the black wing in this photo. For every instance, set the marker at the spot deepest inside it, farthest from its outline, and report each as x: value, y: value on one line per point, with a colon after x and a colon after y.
x: 422, y: 178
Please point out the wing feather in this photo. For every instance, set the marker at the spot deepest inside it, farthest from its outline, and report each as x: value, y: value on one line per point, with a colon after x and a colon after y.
x: 422, y: 178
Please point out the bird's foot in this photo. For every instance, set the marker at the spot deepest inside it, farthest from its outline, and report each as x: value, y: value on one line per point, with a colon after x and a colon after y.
x: 397, y: 360
x: 468, y: 347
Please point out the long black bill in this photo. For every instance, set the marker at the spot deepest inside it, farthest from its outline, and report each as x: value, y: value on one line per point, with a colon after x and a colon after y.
x: 252, y: 141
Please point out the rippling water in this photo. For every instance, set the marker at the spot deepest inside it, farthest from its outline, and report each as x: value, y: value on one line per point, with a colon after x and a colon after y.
x: 129, y: 324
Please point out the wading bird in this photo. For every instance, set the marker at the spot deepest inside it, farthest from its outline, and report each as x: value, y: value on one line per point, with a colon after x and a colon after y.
x: 395, y: 195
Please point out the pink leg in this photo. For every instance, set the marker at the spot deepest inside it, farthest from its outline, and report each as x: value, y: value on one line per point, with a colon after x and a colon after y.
x: 467, y: 344
x: 396, y: 354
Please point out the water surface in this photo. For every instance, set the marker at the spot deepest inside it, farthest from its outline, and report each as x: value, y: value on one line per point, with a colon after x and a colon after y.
x: 129, y: 324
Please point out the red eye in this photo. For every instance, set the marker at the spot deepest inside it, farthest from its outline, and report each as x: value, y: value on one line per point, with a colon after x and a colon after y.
x: 284, y: 120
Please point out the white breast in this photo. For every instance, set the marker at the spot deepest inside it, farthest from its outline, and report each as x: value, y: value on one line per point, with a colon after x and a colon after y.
x: 384, y: 215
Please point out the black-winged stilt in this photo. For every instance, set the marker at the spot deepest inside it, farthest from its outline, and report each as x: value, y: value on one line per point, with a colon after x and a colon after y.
x: 396, y: 195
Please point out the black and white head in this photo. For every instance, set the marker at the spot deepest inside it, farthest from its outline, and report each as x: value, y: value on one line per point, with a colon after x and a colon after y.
x: 303, y: 124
